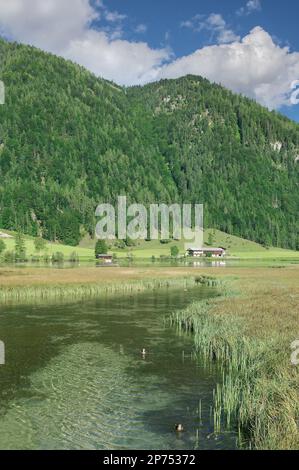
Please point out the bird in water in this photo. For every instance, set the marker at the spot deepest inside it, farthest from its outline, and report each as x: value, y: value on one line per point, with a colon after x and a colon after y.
x: 143, y: 352
x: 179, y: 428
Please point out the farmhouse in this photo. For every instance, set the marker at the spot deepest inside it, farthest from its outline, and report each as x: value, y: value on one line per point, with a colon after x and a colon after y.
x: 107, y: 259
x: 212, y: 252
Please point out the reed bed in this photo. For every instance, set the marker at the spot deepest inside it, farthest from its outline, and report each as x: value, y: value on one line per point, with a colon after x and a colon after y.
x: 84, y: 291
x: 208, y: 281
x: 259, y: 390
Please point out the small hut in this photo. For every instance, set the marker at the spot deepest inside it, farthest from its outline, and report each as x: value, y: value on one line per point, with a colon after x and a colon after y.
x: 106, y: 259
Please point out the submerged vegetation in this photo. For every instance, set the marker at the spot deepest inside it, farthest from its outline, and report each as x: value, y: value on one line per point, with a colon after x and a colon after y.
x: 259, y: 390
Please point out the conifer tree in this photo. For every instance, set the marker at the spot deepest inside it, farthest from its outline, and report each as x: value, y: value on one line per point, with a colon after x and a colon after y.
x: 20, y: 247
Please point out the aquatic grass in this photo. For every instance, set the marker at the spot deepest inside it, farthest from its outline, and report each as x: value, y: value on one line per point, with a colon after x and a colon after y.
x: 209, y: 281
x: 259, y: 389
x: 85, y: 291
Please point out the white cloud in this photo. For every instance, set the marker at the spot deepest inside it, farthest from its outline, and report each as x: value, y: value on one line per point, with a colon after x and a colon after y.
x: 215, y: 24
x: 254, y: 66
x: 48, y: 24
x: 216, y: 20
x: 195, y: 23
x: 250, y: 7
x: 114, y: 16
x: 141, y: 28
x: 125, y: 62
x: 64, y: 28
x: 254, y: 5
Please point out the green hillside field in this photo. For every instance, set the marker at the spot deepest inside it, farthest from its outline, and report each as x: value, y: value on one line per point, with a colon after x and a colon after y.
x: 236, y: 248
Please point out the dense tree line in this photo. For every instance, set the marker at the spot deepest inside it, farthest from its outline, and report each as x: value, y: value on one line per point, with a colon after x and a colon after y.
x: 69, y: 141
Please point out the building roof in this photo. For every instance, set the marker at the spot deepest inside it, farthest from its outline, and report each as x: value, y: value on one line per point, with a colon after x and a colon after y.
x: 206, y: 249
x: 104, y: 256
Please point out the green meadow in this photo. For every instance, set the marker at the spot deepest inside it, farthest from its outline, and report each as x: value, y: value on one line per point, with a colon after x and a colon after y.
x: 83, y: 253
x: 237, y: 248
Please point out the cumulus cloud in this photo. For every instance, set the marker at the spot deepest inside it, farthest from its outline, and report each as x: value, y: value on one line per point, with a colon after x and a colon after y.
x: 250, y: 7
x: 66, y: 28
x: 254, y: 66
x: 48, y: 24
x: 125, y: 62
x: 215, y: 24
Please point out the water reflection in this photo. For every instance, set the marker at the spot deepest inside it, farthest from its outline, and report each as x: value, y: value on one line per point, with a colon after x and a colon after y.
x: 213, y: 264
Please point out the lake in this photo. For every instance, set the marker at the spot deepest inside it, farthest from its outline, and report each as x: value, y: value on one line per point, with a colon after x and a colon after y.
x: 75, y: 377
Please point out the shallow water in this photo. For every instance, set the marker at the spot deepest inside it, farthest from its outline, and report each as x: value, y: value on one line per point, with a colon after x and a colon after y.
x: 75, y: 379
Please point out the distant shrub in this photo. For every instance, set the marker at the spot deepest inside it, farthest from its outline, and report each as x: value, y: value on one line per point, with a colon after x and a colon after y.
x: 129, y: 242
x: 101, y: 247
x: 57, y: 257
x: 164, y: 242
x: 46, y: 258
x: 9, y: 257
x: 20, y: 247
x: 74, y: 257
x: 2, y: 246
x: 174, y: 251
x: 39, y: 244
x: 120, y: 244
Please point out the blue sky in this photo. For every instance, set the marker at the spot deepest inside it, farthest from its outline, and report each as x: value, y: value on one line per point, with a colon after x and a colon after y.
x: 279, y: 18
x: 163, y: 24
x: 249, y: 46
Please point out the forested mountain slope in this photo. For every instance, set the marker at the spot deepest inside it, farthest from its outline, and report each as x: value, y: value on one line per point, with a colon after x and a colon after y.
x: 69, y: 141
x: 229, y: 152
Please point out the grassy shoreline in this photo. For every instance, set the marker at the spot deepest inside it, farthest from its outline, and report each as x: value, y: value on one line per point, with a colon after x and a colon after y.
x: 80, y: 291
x: 259, y: 389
